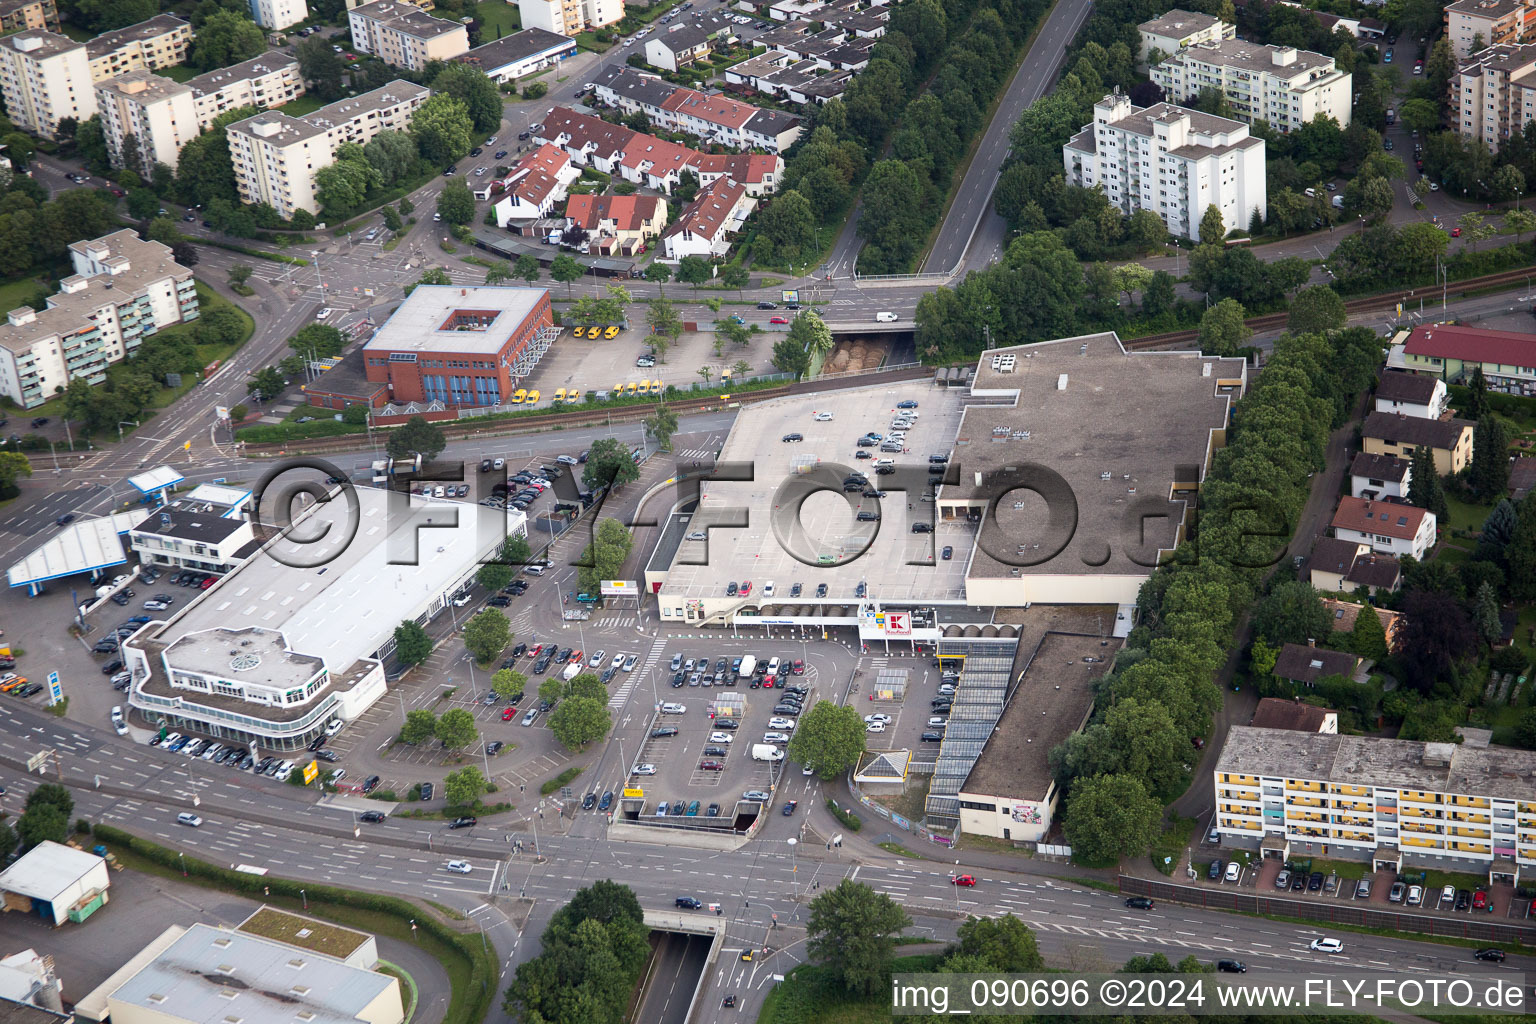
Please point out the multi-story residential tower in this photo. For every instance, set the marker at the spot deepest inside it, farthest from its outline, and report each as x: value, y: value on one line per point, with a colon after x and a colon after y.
x: 1493, y: 93
x: 1281, y: 85
x: 45, y: 78
x: 158, y: 112
x: 568, y: 17
x: 405, y: 36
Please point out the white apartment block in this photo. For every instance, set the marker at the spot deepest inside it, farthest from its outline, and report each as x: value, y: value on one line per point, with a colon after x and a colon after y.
x: 1282, y: 85
x: 1473, y: 25
x: 158, y: 112
x: 1435, y: 804
x: 278, y: 14
x: 1172, y: 161
x: 275, y: 156
x: 1178, y: 30
x: 568, y: 17
x: 267, y: 81
x: 45, y: 78
x: 404, y: 35
x: 1493, y: 94
x: 160, y: 42
x: 122, y: 291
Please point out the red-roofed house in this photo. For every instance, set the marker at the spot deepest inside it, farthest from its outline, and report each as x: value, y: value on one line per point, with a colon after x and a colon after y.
x: 655, y: 163
x: 617, y: 221
x: 720, y: 118
x: 589, y: 141
x: 1451, y: 352
x: 1386, y: 526
x: 536, y: 185
x: 759, y: 173
x: 703, y: 226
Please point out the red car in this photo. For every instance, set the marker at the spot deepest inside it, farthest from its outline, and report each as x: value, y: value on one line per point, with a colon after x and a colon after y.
x: 779, y: 320
x: 210, y: 581
x: 1455, y: 232
x: 536, y: 651
x: 1480, y: 901
x: 969, y: 881
x: 117, y: 192
x: 711, y: 766
x: 746, y: 588
x: 508, y: 714
x: 799, y: 667
x: 576, y: 658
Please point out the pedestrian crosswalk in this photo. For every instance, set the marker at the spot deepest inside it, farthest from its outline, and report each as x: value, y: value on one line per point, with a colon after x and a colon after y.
x: 621, y: 622
x: 632, y: 679
x: 694, y: 454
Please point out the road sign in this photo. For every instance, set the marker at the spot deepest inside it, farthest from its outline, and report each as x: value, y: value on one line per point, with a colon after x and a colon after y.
x: 38, y: 759
x: 311, y: 771
x: 615, y: 588
x: 637, y: 794
x: 55, y: 691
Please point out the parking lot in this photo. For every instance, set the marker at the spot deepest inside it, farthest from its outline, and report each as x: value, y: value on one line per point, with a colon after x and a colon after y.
x: 605, y: 364
x: 912, y: 714
x: 701, y: 739
x: 844, y: 535
x: 1437, y: 892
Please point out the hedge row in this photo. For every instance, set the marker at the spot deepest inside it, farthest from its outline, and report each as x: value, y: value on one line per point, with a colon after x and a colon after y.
x: 476, y: 1001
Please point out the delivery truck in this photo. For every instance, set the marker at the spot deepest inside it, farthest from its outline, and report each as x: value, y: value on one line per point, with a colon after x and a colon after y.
x: 748, y: 666
x: 571, y: 672
x: 766, y: 752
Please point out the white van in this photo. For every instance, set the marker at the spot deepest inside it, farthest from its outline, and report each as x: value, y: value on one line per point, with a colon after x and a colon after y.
x: 884, y: 462
x: 885, y: 318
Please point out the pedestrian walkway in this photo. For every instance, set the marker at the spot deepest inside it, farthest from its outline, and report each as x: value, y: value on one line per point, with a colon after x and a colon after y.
x: 621, y: 695
x: 695, y: 453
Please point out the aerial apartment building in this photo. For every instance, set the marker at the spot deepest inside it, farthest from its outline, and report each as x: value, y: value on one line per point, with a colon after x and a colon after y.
x: 1171, y: 160
x: 158, y: 112
x: 267, y: 81
x: 45, y: 78
x: 405, y: 36
x: 160, y: 42
x: 277, y: 15
x: 123, y: 290
x: 1280, y: 85
x: 1493, y: 93
x: 275, y: 156
x: 1327, y: 795
x: 569, y: 17
x: 16, y: 15
x: 1472, y: 25
x: 1178, y: 30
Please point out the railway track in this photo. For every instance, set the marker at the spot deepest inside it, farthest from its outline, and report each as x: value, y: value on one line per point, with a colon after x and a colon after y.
x: 458, y: 430
x: 1366, y: 304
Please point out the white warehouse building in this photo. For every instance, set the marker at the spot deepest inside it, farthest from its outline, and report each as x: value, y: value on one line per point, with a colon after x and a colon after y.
x: 1171, y: 160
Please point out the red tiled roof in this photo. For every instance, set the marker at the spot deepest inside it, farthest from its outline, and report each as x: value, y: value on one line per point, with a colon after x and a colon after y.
x: 1274, y: 713
x: 664, y: 156
x: 1385, y: 518
x: 716, y: 109
x: 629, y: 213
x: 708, y: 214
x: 537, y: 174
x: 1472, y: 344
x: 748, y: 168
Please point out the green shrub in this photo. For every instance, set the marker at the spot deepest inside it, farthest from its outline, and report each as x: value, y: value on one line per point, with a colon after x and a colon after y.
x: 564, y: 778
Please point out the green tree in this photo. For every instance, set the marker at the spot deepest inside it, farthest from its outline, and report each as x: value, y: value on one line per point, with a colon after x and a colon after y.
x: 790, y: 357
x: 734, y: 275
x: 1519, y: 221
x: 456, y: 203
x: 487, y: 635
x: 661, y: 425
x: 527, y: 268
x: 788, y: 225
x: 240, y: 273
x: 14, y: 465
x: 7, y: 840
x: 1424, y: 487
x: 508, y: 683
x: 493, y: 576
x: 321, y: 67
x: 1212, y: 228
x: 1004, y: 943
x: 830, y: 738
x: 442, y: 129
x: 226, y: 38
x: 420, y: 726
x: 579, y: 721
x: 566, y: 270
x: 413, y: 645
x: 1109, y: 817
x: 52, y: 794
x: 662, y: 318
x: 416, y: 437
x: 659, y: 274
x: 475, y: 90
x: 456, y: 729
x: 142, y: 203
x: 551, y: 690
x: 1292, y: 613
x: 1368, y: 638
x: 392, y: 154
x: 498, y: 273
x: 694, y: 270
x: 593, y: 952
x: 437, y: 276
x: 1422, y: 116
x: 810, y: 331
x: 1316, y: 309
x: 1485, y: 614
x: 343, y: 186
x: 1489, y: 472
x: 320, y: 340
x: 266, y: 384
x: 604, y: 557
x: 852, y: 933
x: 465, y: 787
x: 44, y: 823
x: 609, y: 464
x: 1222, y: 330
x: 589, y: 685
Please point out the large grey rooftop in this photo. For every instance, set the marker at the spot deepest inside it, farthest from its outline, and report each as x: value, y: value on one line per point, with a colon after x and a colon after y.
x: 417, y: 324
x: 40, y: 44
x: 248, y: 655
x: 333, y: 114
x: 406, y: 18
x: 1256, y: 58
x: 289, y: 129
x: 212, y: 975
x: 1141, y: 119
x: 1119, y: 428
x: 257, y: 67
x: 1177, y: 23
x: 159, y: 25
x: 143, y: 86
x: 513, y: 48
x: 1368, y: 761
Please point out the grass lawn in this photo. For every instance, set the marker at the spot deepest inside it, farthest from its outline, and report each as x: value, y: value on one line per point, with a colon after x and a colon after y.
x: 17, y: 292
x: 1465, y: 515
x: 306, y: 104
x: 808, y: 995
x: 1437, y: 880
x: 178, y: 72
x: 497, y: 19
x: 1350, y: 869
x: 589, y: 41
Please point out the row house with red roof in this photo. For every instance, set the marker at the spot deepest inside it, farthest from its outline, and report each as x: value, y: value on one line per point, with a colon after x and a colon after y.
x: 1452, y: 352
x: 713, y: 117
x: 536, y: 185
x: 617, y: 224
x: 705, y: 226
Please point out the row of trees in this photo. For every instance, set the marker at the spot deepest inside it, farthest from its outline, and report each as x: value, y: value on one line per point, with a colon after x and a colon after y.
x: 592, y: 954
x: 455, y: 728
x: 1162, y: 689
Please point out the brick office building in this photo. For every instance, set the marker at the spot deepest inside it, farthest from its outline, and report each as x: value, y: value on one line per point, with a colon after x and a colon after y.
x: 446, y: 347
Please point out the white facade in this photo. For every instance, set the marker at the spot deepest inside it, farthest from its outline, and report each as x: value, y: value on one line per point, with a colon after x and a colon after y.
x: 161, y: 114
x: 1493, y: 94
x: 1172, y: 161
x: 1387, y: 527
x: 568, y: 17
x: 403, y: 35
x: 1366, y: 486
x: 267, y: 81
x: 1178, y: 30
x: 58, y: 880
x: 45, y: 78
x: 1281, y: 85
x: 123, y: 290
x: 1436, y: 406
x: 705, y: 225
x: 278, y: 14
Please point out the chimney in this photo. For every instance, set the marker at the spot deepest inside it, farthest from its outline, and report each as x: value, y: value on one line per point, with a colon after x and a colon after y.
x: 1311, y: 642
